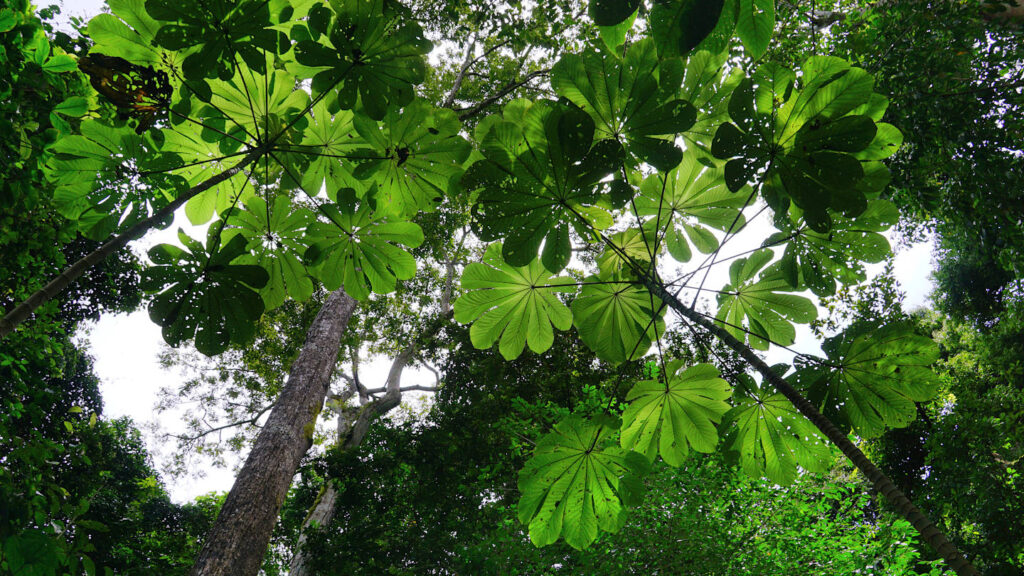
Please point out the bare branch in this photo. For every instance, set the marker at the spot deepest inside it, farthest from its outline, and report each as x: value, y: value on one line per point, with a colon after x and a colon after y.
x: 467, y: 62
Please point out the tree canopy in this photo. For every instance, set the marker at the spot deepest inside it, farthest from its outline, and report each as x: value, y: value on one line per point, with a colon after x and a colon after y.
x: 323, y: 151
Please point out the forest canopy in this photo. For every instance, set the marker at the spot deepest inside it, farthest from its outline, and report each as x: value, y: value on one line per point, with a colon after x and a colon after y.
x: 593, y: 222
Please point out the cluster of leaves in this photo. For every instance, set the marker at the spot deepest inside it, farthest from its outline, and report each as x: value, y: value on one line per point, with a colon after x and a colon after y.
x: 655, y: 143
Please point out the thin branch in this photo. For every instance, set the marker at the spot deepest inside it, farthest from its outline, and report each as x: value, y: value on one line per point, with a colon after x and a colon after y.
x: 467, y: 62
x: 474, y: 110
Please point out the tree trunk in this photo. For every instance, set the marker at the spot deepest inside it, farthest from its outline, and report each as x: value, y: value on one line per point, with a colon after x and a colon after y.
x: 925, y: 527
x: 354, y: 423
x: 239, y: 537
x: 22, y: 311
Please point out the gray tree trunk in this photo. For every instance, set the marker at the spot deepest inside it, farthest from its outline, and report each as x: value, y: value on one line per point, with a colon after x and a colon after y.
x: 239, y: 537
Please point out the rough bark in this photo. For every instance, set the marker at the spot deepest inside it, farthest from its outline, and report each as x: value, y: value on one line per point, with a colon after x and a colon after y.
x: 22, y: 311
x: 354, y: 423
x: 924, y: 526
x: 239, y: 537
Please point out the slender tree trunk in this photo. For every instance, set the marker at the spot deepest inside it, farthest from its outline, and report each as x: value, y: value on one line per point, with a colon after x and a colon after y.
x: 22, y: 311
x: 925, y: 527
x: 239, y: 537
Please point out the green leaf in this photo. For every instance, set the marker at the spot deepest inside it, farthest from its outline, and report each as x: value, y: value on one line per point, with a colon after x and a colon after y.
x: 708, y: 84
x: 612, y: 12
x: 516, y: 306
x: 94, y: 186
x: 688, y: 198
x: 672, y: 416
x: 754, y: 25
x: 202, y: 292
x: 73, y: 107
x: 373, y: 56
x: 576, y: 483
x: 327, y: 153
x: 872, y: 378
x: 838, y: 255
x: 615, y: 36
x: 221, y: 35
x: 771, y: 437
x: 534, y: 183
x: 420, y: 153
x: 806, y: 141
x: 359, y: 249
x: 616, y: 317
x: 625, y: 102
x: 755, y: 310
x: 276, y: 240
x: 678, y: 26
x: 60, y: 63
x: 8, y: 20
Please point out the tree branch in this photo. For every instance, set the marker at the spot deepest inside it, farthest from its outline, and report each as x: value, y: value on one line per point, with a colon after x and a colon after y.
x: 466, y: 113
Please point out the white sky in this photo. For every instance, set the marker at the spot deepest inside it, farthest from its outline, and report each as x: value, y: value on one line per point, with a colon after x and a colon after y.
x: 126, y: 346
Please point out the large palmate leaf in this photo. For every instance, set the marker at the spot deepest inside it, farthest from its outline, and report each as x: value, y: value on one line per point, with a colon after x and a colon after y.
x: 96, y: 188
x: 686, y: 200
x: 755, y: 310
x: 204, y: 292
x: 518, y: 306
x: 252, y: 105
x: 807, y: 138
x: 679, y: 26
x: 275, y: 236
x: 540, y: 177
x: 327, y: 153
x: 374, y: 54
x: 221, y: 32
x: 819, y: 259
x: 419, y: 153
x: 675, y: 413
x: 359, y: 249
x: 872, y: 378
x: 770, y: 437
x: 628, y: 250
x: 616, y: 317
x: 577, y: 482
x: 624, y: 99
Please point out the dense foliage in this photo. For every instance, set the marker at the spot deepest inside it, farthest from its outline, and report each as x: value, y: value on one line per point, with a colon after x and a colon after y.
x: 318, y: 148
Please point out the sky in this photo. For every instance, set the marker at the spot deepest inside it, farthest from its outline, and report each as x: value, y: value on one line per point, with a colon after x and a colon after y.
x: 126, y: 346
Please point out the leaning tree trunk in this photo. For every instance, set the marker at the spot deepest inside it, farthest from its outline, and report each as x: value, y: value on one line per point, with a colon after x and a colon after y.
x: 22, y: 311
x: 239, y: 537
x: 924, y: 526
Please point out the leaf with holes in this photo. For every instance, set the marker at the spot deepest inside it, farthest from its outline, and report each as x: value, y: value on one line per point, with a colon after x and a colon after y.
x: 276, y: 241
x: 819, y: 259
x: 513, y: 306
x: 770, y: 437
x: 626, y: 103
x: 756, y: 310
x: 806, y: 139
x: 539, y: 178
x: 872, y: 378
x: 616, y: 317
x: 671, y: 417
x: 578, y: 482
x: 203, y: 292
x: 419, y: 153
x: 359, y: 249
